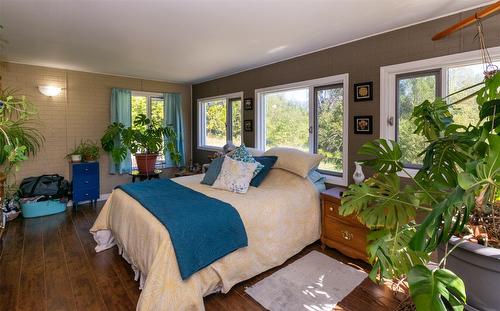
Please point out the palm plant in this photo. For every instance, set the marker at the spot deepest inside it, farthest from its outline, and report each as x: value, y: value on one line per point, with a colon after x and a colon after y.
x: 19, y: 138
x: 460, y: 174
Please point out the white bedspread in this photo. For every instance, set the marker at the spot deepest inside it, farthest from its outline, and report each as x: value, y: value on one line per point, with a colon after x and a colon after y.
x: 281, y: 217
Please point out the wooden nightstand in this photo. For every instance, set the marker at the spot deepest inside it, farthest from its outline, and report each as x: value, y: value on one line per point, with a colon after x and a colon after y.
x: 345, y: 234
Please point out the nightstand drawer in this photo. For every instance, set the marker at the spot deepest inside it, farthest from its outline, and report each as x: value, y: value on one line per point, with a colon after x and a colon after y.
x: 332, y: 210
x: 348, y: 239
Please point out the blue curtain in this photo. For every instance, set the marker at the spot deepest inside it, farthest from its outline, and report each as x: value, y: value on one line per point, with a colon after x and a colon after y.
x: 173, y: 117
x: 121, y: 111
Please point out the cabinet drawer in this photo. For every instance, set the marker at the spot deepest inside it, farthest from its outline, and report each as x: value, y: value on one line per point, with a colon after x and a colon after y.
x: 351, y: 236
x: 332, y: 210
x: 85, y: 193
x: 85, y: 169
x: 89, y: 181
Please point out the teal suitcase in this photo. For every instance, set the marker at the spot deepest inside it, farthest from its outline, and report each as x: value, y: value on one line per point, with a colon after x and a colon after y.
x: 44, y: 208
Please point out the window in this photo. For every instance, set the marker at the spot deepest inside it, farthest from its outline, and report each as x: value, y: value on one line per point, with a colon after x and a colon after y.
x: 152, y: 105
x: 214, y: 129
x: 412, y: 90
x: 406, y: 85
x: 329, y: 105
x: 310, y: 116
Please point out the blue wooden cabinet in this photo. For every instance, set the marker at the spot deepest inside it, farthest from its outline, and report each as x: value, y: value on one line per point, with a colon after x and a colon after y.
x: 85, y: 180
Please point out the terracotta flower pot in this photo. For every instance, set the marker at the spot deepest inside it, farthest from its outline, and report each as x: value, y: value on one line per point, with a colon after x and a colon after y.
x: 146, y: 162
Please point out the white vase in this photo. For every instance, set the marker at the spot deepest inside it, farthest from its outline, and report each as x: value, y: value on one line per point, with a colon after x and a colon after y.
x: 358, y: 175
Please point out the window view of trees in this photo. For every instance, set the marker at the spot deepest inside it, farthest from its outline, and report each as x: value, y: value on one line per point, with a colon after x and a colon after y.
x: 287, y: 119
x: 466, y: 112
x: 330, y: 108
x: 236, y: 121
x: 215, y: 122
x: 215, y: 113
x: 412, y: 91
x: 153, y: 108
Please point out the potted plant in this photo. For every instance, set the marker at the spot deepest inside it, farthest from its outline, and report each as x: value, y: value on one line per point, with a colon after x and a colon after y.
x: 145, y: 139
x: 19, y: 138
x: 457, y: 185
x: 75, y: 155
x: 87, y: 151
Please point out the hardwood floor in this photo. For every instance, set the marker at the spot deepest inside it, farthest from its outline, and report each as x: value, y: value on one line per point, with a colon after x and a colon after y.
x: 49, y: 263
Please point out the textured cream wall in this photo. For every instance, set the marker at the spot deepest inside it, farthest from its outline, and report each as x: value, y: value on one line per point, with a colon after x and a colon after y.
x: 82, y: 111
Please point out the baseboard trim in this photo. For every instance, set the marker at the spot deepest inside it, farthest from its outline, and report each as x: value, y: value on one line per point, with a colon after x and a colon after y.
x: 102, y: 197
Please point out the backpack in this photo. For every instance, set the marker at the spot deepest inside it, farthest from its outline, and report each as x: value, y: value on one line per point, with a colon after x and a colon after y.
x: 49, y: 186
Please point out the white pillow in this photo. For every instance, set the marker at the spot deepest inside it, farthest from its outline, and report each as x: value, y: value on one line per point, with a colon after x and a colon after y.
x: 255, y: 152
x: 294, y: 160
x: 235, y: 176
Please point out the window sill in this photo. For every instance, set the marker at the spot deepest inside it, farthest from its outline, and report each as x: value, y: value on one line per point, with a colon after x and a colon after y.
x: 209, y: 148
x: 336, y: 180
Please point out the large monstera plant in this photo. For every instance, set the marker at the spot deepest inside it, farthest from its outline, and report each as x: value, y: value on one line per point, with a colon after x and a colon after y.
x: 460, y: 173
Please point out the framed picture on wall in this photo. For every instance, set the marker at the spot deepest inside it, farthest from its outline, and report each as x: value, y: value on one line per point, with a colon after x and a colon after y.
x: 248, y: 125
x: 363, y: 125
x: 248, y: 103
x: 363, y: 91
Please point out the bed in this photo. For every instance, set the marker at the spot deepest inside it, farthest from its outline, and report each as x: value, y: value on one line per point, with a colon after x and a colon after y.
x: 281, y: 217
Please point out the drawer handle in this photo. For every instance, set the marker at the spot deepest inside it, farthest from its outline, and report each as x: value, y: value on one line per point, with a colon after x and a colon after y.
x: 347, y: 235
x: 86, y: 194
x: 86, y: 170
x: 86, y: 182
x: 331, y: 209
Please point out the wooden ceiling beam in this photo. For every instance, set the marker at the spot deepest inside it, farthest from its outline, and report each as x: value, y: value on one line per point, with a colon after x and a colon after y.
x: 468, y: 21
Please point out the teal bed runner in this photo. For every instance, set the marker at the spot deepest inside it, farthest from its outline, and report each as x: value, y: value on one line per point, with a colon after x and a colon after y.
x: 202, y: 229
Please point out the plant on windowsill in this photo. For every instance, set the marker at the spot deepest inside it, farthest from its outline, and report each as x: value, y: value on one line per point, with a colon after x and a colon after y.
x: 19, y: 138
x: 457, y: 185
x: 145, y: 139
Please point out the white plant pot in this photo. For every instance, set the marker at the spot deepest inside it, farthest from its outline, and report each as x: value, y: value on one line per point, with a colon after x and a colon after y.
x: 76, y: 158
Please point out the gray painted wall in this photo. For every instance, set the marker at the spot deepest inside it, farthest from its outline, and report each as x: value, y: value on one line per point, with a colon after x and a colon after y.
x: 361, y: 59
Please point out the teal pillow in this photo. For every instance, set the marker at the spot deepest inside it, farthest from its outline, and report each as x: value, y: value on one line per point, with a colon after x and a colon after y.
x: 213, y: 171
x: 241, y: 154
x: 268, y: 163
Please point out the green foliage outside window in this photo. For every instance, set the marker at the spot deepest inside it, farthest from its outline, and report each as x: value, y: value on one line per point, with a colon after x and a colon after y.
x: 330, y: 128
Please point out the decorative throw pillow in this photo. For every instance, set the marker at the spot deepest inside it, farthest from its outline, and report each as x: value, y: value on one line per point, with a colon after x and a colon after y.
x: 294, y: 160
x: 317, y: 179
x: 213, y: 171
x: 268, y: 163
x: 241, y: 154
x: 235, y: 176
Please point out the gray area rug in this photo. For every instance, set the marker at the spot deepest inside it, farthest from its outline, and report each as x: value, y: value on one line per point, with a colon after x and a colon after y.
x: 315, y: 282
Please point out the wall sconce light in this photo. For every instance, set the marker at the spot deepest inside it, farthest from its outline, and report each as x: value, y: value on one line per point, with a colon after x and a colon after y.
x: 49, y: 90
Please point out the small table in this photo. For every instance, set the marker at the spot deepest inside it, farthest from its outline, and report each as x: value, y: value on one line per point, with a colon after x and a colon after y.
x: 144, y: 176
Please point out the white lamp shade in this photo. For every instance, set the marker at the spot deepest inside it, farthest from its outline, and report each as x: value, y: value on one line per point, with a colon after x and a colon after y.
x: 49, y: 90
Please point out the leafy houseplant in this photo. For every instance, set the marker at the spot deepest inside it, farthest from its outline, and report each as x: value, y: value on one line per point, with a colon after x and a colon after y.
x: 86, y: 150
x: 145, y: 139
x: 460, y: 176
x: 18, y: 136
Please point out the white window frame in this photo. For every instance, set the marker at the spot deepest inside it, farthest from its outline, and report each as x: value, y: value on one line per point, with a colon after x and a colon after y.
x: 148, y: 96
x: 260, y: 128
x: 201, y: 119
x: 388, y: 84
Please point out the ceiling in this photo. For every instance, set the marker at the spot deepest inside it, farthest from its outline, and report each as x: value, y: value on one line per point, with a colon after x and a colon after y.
x: 195, y: 40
